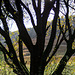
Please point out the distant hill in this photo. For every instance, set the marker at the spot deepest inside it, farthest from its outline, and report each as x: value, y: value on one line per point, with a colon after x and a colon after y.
x: 14, y: 35
x: 31, y: 32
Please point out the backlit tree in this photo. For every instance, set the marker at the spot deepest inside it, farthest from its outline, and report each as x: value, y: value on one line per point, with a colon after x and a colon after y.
x: 39, y: 55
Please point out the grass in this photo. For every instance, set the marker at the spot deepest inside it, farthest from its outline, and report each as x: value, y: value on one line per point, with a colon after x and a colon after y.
x: 5, y: 69
x: 68, y: 70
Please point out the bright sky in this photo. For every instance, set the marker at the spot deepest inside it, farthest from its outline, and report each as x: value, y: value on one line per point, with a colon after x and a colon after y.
x: 13, y: 27
x: 28, y: 24
x: 27, y: 21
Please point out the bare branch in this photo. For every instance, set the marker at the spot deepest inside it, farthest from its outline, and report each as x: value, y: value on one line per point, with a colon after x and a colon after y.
x: 5, y: 52
x: 62, y: 6
x: 47, y: 7
x: 67, y: 19
x: 3, y: 49
x: 21, y: 51
x: 62, y: 12
x: 6, y: 59
x: 53, y: 33
x: 6, y: 12
x: 71, y: 7
x: 9, y: 43
x: 61, y: 30
x: 47, y: 28
x: 5, y: 24
x: 30, y: 15
x: 9, y: 7
x: 34, y: 5
x: 0, y: 7
x: 55, y: 50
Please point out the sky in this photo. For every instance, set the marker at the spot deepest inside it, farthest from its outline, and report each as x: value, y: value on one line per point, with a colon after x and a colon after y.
x: 28, y: 24
x: 13, y: 27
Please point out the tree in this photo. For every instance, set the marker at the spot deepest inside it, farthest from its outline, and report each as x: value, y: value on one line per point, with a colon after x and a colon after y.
x: 39, y: 55
x: 69, y: 40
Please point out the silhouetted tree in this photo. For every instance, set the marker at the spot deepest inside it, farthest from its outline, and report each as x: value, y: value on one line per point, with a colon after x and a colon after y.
x: 39, y: 55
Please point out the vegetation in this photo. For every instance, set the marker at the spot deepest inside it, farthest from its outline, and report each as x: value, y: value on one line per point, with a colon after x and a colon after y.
x: 68, y: 70
x: 40, y: 55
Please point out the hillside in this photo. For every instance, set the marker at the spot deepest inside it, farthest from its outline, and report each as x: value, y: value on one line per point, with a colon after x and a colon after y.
x: 14, y: 37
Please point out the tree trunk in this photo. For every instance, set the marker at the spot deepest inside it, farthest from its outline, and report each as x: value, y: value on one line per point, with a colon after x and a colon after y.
x: 35, y: 66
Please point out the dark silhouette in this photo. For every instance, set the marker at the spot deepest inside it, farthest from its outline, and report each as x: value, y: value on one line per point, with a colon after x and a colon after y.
x: 39, y: 55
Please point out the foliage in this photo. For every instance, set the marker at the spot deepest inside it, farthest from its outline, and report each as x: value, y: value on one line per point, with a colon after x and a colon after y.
x: 5, y: 69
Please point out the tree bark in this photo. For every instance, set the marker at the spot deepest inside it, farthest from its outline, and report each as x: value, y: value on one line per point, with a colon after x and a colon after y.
x: 35, y: 67
x: 63, y: 62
